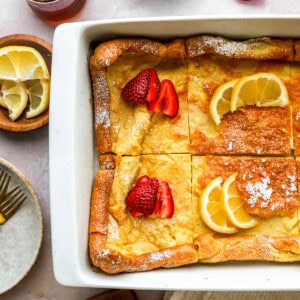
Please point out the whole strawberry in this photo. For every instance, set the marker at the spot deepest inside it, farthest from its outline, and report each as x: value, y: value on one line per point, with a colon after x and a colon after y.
x: 143, y: 88
x: 141, y: 200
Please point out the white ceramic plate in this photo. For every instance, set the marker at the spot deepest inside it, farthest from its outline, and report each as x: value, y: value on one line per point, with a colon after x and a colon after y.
x: 21, y: 236
x: 73, y: 159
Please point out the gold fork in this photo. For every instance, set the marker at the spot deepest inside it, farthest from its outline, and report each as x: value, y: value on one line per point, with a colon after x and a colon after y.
x: 11, y: 201
x: 4, y: 182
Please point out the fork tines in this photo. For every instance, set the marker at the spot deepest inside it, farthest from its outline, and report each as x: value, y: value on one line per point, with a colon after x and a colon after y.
x: 4, y: 182
x: 12, y: 202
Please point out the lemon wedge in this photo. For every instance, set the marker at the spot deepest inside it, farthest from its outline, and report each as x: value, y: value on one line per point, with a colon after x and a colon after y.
x: 38, y: 93
x: 14, y: 97
x: 211, y: 208
x: 233, y: 205
x: 220, y: 102
x: 260, y: 89
x: 21, y: 63
x: 23, y: 75
x: 2, y: 103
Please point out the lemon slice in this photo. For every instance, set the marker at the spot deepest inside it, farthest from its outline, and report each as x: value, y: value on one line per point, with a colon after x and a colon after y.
x: 220, y: 102
x: 21, y: 63
x: 38, y: 93
x: 2, y: 103
x: 13, y: 97
x: 211, y: 208
x: 260, y: 89
x: 233, y: 205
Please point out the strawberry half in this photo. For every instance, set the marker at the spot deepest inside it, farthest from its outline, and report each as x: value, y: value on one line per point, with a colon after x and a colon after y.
x: 143, y: 88
x: 167, y: 101
x: 154, y: 86
x: 166, y: 199
x: 141, y: 200
x: 150, y: 198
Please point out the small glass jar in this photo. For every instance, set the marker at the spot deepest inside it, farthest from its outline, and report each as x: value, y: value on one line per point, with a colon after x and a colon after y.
x: 56, y: 11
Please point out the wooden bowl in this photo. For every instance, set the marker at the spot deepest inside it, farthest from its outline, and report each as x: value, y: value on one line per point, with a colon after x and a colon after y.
x: 22, y: 123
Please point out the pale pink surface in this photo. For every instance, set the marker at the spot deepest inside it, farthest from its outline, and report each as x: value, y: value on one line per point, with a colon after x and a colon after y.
x: 29, y: 151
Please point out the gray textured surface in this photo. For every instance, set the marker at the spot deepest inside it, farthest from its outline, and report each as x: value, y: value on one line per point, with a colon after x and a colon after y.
x: 230, y: 295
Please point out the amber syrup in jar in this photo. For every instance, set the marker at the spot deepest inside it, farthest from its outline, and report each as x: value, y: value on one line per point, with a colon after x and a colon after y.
x: 56, y: 11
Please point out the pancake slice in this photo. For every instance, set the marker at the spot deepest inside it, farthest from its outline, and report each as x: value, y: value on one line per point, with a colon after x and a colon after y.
x: 127, y: 243
x: 126, y: 128
x: 248, y: 130
x: 268, y: 187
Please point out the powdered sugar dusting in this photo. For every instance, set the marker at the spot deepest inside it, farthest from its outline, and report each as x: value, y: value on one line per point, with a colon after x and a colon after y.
x: 292, y: 180
x: 113, y: 232
x: 259, y: 191
x: 276, y: 205
x: 102, y: 117
x: 157, y: 256
x: 107, y: 165
x: 154, y: 257
x: 104, y: 255
x: 224, y: 47
x: 101, y: 100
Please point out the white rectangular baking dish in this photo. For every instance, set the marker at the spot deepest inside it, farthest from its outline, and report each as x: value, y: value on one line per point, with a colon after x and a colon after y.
x: 73, y: 160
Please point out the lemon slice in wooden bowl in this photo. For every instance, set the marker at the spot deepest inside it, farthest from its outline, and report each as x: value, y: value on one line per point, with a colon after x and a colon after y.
x: 25, y: 59
x: 21, y: 63
x: 38, y: 93
x: 14, y: 97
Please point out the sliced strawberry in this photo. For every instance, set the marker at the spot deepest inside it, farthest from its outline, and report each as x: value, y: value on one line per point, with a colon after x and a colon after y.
x: 166, y: 199
x: 167, y: 102
x: 155, y: 105
x: 154, y: 87
x: 157, y: 206
x: 141, y: 200
x: 142, y: 88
